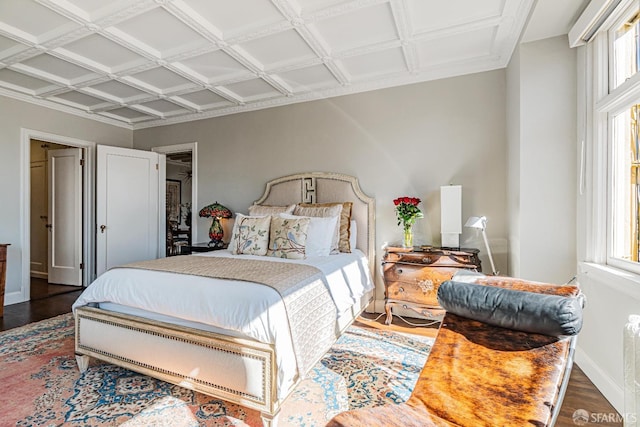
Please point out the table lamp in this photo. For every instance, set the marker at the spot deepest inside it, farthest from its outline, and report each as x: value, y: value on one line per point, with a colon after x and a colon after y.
x: 215, y: 211
x: 480, y: 222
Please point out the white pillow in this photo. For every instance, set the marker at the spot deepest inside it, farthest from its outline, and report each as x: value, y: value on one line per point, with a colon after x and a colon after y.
x: 250, y: 235
x: 323, y: 212
x: 319, y: 234
x: 353, y: 235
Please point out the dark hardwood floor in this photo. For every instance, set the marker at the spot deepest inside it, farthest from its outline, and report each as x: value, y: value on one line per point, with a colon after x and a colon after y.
x: 581, y: 393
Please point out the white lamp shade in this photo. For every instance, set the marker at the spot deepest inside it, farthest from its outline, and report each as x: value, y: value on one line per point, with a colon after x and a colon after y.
x: 479, y: 222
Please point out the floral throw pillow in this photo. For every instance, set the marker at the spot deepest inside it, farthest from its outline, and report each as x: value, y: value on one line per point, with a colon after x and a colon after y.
x: 288, y: 237
x: 250, y: 235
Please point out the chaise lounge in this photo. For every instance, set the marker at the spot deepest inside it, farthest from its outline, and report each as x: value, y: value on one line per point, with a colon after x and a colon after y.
x: 502, y: 357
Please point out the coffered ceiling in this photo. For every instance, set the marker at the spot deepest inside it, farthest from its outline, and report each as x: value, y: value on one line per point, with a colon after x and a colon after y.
x: 143, y: 63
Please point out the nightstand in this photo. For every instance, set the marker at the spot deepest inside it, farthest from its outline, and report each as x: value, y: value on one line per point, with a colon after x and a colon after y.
x: 412, y: 276
x: 204, y: 247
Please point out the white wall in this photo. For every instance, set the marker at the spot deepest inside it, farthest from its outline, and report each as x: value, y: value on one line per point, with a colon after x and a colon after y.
x: 14, y: 116
x: 404, y: 141
x: 542, y: 142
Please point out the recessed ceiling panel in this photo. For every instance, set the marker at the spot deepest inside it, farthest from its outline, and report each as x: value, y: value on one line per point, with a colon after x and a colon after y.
x: 380, y: 63
x: 162, y: 106
x: 118, y: 90
x: 80, y: 99
x: 375, y: 25
x: 162, y: 31
x: 215, y: 66
x: 48, y: 64
x: 7, y: 43
x: 127, y: 113
x: 161, y: 79
x: 463, y: 46
x: 204, y: 98
x: 30, y: 17
x: 23, y: 81
x: 233, y: 17
x: 103, y: 51
x: 96, y: 9
x: 309, y: 6
x: 279, y: 49
x: 427, y: 15
x: 252, y: 89
x: 310, y: 78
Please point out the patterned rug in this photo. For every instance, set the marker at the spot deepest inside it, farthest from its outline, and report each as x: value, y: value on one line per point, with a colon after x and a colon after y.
x: 41, y: 384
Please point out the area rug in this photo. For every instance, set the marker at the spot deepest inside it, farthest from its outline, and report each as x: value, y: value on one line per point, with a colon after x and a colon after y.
x: 41, y: 384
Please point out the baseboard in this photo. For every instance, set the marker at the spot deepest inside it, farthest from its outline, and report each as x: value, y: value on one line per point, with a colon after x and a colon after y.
x: 611, y: 391
x: 13, y: 298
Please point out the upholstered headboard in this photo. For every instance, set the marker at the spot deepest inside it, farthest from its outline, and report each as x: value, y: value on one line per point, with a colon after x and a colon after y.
x: 325, y: 187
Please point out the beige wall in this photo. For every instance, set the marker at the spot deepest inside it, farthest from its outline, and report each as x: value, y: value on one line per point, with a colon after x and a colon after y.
x: 542, y: 143
x: 408, y: 140
x: 14, y: 116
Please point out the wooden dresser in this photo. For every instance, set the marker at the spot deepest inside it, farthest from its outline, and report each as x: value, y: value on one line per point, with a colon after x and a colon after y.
x: 3, y: 274
x: 412, y: 276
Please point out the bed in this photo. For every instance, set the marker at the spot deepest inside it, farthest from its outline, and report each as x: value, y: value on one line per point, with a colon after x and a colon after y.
x: 224, y: 347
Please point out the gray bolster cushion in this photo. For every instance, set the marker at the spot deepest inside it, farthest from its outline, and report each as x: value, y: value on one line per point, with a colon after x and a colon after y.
x: 552, y: 315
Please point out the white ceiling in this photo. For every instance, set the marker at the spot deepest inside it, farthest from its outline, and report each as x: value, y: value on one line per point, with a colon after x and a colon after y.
x: 143, y: 63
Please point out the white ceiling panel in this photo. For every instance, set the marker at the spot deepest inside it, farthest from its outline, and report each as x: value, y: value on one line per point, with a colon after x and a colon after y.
x: 376, y: 64
x: 103, y: 51
x: 460, y: 47
x: 160, y: 30
x: 310, y: 78
x: 233, y: 18
x: 279, y: 49
x: 376, y: 22
x: 452, y: 13
x: 116, y: 90
x: 21, y: 82
x: 144, y: 63
x: 212, y: 67
x: 252, y: 90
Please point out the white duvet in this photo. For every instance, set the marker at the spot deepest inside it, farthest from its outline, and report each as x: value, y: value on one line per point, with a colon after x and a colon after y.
x: 234, y: 307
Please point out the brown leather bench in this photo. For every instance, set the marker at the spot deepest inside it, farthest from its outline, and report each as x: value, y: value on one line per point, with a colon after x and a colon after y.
x: 479, y: 374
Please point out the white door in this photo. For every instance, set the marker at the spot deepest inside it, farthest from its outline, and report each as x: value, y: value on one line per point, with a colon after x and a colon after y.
x: 127, y: 206
x: 65, y: 216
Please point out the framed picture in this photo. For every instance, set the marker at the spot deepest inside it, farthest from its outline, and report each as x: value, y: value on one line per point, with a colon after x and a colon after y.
x: 174, y: 188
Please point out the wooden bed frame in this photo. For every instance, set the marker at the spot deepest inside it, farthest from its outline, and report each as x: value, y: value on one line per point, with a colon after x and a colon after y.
x: 237, y: 370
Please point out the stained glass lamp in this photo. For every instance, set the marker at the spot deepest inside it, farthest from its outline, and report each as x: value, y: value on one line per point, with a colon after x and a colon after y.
x: 215, y: 211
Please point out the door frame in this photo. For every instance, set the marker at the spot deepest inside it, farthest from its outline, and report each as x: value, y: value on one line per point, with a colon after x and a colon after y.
x: 181, y: 148
x: 88, y: 214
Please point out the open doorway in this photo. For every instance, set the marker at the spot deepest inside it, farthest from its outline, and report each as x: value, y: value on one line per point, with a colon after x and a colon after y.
x: 178, y: 202
x: 181, y: 196
x: 56, y: 218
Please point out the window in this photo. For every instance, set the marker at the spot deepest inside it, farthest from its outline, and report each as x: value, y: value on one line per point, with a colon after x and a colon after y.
x: 614, y: 56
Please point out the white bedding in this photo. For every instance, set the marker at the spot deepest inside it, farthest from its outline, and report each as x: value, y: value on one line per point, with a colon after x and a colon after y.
x: 243, y: 308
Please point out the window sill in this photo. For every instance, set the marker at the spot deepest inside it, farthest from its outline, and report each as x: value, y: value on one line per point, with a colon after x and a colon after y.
x: 622, y: 281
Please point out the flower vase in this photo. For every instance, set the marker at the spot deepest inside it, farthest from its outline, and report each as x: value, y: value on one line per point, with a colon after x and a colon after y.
x: 407, y: 240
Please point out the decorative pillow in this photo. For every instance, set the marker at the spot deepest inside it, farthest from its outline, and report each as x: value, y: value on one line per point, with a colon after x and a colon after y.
x: 552, y: 315
x: 270, y: 210
x: 250, y: 235
x: 288, y: 237
x: 319, y: 234
x: 344, y: 244
x: 323, y: 211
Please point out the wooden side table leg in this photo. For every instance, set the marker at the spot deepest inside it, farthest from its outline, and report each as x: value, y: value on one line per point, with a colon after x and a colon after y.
x: 387, y: 309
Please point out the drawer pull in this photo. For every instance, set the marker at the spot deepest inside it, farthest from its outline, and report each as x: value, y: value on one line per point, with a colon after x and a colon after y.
x: 399, y: 271
x: 400, y: 289
x: 426, y: 260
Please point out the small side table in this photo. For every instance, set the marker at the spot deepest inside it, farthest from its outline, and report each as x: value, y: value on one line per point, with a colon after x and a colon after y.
x: 412, y: 276
x: 204, y: 247
x: 3, y: 274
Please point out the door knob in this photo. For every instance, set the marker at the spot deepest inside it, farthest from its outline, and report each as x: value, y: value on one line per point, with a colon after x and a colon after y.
x: 102, y: 228
x: 49, y: 226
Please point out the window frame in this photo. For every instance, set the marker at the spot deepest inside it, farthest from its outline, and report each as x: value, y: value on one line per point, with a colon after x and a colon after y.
x: 602, y: 105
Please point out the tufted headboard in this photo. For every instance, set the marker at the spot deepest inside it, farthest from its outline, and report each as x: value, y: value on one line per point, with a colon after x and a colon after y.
x: 325, y: 187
